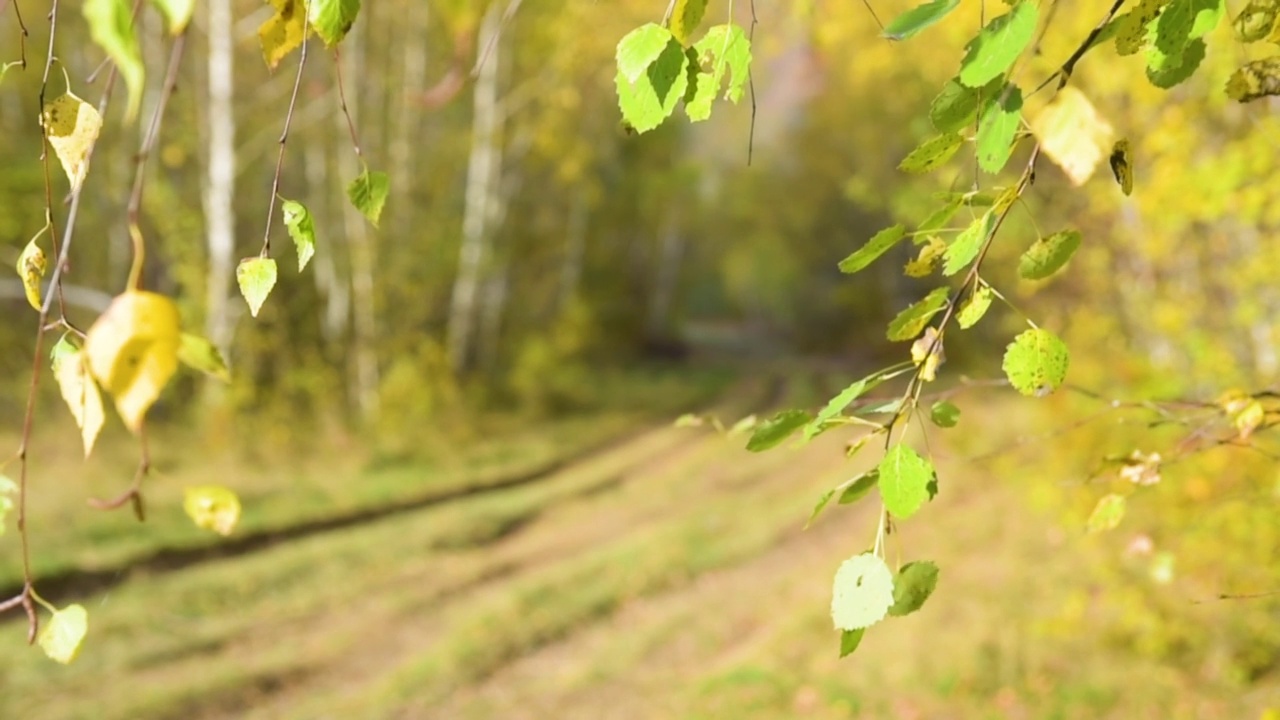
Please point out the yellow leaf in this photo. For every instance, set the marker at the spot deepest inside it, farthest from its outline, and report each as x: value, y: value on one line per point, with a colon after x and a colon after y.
x: 31, y: 267
x: 213, y: 508
x: 63, y: 634
x: 133, y: 351
x: 80, y: 393
x: 72, y: 126
x: 1248, y: 418
x: 1072, y: 134
x: 927, y: 260
x: 928, y: 361
x: 1122, y: 165
x: 283, y: 32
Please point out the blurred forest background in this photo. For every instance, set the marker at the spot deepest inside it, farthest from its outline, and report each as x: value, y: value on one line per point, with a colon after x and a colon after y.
x: 544, y: 283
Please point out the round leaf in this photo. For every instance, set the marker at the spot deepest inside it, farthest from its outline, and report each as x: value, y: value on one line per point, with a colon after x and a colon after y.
x: 213, y: 508
x: 914, y: 584
x: 904, y: 480
x: 944, y: 414
x: 256, y: 277
x: 1036, y: 362
x: 862, y: 592
x: 62, y: 635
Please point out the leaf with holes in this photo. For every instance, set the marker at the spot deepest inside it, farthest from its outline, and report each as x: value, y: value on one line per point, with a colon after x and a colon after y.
x: 256, y: 277
x: 904, y: 480
x: 1036, y: 362
x: 994, y: 50
x: 911, y: 322
x: 862, y: 592
x: 132, y: 351
x: 1048, y: 255
x: 723, y: 54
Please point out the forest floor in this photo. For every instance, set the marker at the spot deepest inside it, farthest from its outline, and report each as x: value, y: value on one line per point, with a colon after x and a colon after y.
x: 664, y: 575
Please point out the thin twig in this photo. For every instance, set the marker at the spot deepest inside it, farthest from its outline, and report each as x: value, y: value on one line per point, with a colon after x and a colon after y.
x: 44, y: 149
x: 493, y: 41
x: 342, y: 102
x: 22, y: 35
x: 751, y: 87
x: 284, y: 136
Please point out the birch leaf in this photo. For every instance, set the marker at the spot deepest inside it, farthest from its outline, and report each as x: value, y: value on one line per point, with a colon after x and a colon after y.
x: 1072, y: 134
x: 283, y: 32
x: 332, y: 19
x: 63, y: 634
x: 111, y: 27
x: 302, y: 228
x: 862, y: 592
x: 71, y: 126
x: 31, y: 268
x: 685, y: 17
x: 998, y: 45
x: 212, y: 507
x: 132, y: 351
x: 198, y: 353
x: 256, y: 277
x: 1036, y: 362
x: 368, y: 193
x: 79, y: 391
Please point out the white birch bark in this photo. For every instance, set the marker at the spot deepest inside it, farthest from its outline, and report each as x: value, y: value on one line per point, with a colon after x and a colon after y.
x: 219, y: 210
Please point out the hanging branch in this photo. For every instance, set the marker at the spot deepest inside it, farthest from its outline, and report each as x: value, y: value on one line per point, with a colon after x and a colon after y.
x: 22, y: 44
x: 342, y: 102
x: 284, y: 137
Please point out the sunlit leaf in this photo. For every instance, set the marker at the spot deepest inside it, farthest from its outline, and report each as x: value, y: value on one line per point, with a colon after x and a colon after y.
x: 212, y: 507
x: 904, y: 480
x: 837, y: 404
x: 79, y: 391
x: 862, y: 592
x: 964, y: 249
x: 685, y: 17
x: 198, y: 353
x: 1165, y: 71
x: 1048, y: 255
x: 1107, y: 514
x: 975, y: 306
x: 332, y: 19
x: 177, y: 13
x: 640, y: 48
x: 944, y: 414
x: 651, y: 98
x: 931, y: 153
x: 1072, y: 134
x: 1036, y: 362
x: 1141, y: 469
x: 1122, y: 165
x: 923, y: 264
x: 850, y: 640
x: 256, y: 277
x: 773, y: 431
x: 1248, y: 417
x: 71, y: 125
x: 63, y: 634
x: 1258, y: 79
x: 878, y: 245
x: 132, y: 350
x: 998, y: 128
x: 723, y: 54
x: 956, y: 107
x: 912, y: 587
x: 284, y: 31
x: 998, y: 45
x: 31, y: 267
x: 111, y: 26
x: 918, y: 18
x: 302, y: 229
x: 911, y: 322
x: 8, y: 491
x: 368, y: 194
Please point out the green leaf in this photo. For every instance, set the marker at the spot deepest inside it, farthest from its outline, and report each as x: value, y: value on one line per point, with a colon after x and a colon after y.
x: 931, y: 153
x: 965, y: 248
x: 1258, y: 79
x: 858, y: 487
x: 773, y: 431
x: 302, y: 229
x: 1048, y: 255
x: 956, y: 107
x: 332, y: 19
x: 904, y: 480
x: 975, y: 306
x: 910, y: 322
x: 640, y: 48
x: 862, y: 592
x: 918, y: 18
x: 1107, y: 514
x: 817, y: 509
x: 1036, y: 362
x: 1166, y: 71
x: 177, y: 13
x: 849, y: 641
x: 874, y: 248
x: 1130, y: 28
x: 914, y: 584
x: 651, y: 98
x: 368, y: 193
x: 998, y: 45
x: 111, y: 27
x: 837, y: 404
x: 944, y: 414
x: 723, y: 53
x: 199, y: 354
x: 256, y: 277
x: 9, y: 490
x: 998, y: 128
x: 940, y: 217
x: 685, y: 17
x: 62, y: 635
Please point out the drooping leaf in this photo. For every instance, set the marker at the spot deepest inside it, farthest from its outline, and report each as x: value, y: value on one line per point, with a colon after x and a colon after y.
x: 913, y: 585
x: 956, y: 107
x: 1072, y: 134
x: 918, y: 18
x: 685, y: 17
x: 1257, y: 20
x: 862, y: 592
x: 993, y: 51
x: 177, y: 14
x: 199, y: 354
x: 1036, y: 362
x: 1048, y: 255
x: 931, y: 153
x: 332, y: 19
x: 256, y: 277
x: 773, y: 431
x: 904, y: 480
x: 640, y: 48
x: 212, y: 507
x: 368, y: 194
x: 1131, y: 28
x: 817, y: 509
x: 63, y: 634
x: 723, y: 54
x: 927, y: 354
x: 1122, y: 165
x: 975, y: 306
x: 944, y: 414
x: 998, y: 128
x: 284, y: 31
x: 878, y: 245
x: 965, y: 248
x: 911, y: 322
x: 132, y: 351
x: 79, y: 391
x: 837, y: 404
x: 111, y: 26
x: 1107, y: 514
x: 71, y: 126
x: 31, y: 268
x: 1165, y: 71
x: 850, y: 640
x: 8, y: 491
x: 858, y: 487
x: 1258, y: 79
x: 651, y: 98
x: 302, y: 228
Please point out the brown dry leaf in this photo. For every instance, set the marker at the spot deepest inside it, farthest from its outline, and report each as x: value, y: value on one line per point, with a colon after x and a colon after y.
x: 133, y: 351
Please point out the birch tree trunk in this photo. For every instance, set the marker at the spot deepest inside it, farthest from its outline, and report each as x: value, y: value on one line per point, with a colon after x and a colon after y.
x: 219, y: 210
x: 482, y: 168
x: 333, y: 288
x: 409, y: 112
